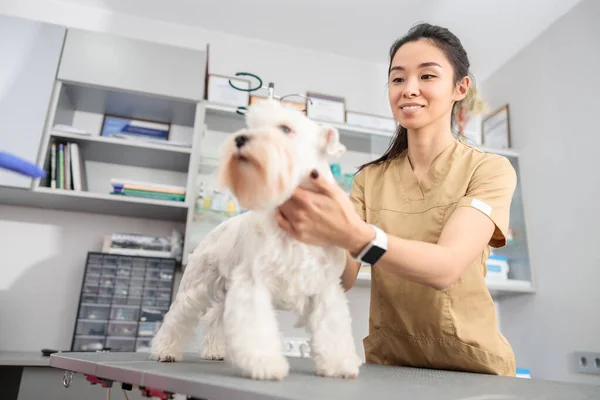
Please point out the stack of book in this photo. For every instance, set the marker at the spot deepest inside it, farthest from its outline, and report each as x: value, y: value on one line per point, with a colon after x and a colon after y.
x: 67, y: 167
x: 148, y: 190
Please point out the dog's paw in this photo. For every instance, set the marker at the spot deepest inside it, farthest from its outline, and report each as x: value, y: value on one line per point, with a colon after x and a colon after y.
x: 347, y: 368
x: 264, y: 367
x: 166, y: 357
x: 213, y: 351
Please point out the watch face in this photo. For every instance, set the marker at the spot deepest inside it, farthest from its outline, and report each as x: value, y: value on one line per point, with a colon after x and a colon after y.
x: 373, y: 255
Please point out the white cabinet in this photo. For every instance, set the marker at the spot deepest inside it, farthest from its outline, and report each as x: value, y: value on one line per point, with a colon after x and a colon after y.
x: 112, y: 61
x: 30, y: 56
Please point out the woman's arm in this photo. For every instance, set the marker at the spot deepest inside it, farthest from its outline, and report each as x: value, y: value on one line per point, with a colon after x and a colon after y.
x: 350, y: 272
x: 435, y: 265
x: 328, y: 217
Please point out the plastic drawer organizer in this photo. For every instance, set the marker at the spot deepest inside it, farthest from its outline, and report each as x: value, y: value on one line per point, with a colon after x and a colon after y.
x: 123, y: 302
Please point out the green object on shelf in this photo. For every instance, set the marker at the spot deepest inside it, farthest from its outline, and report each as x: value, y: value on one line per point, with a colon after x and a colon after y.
x: 336, y: 170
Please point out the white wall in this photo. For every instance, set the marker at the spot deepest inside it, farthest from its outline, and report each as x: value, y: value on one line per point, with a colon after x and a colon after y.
x: 40, y: 294
x: 552, y: 90
x: 42, y: 264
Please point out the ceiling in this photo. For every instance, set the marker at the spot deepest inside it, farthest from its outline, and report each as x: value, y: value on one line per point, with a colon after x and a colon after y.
x: 491, y: 30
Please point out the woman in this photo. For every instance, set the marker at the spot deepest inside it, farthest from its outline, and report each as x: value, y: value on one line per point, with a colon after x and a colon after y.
x: 441, y: 204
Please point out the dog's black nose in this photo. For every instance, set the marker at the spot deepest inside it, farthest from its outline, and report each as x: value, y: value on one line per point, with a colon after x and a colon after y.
x: 241, y: 140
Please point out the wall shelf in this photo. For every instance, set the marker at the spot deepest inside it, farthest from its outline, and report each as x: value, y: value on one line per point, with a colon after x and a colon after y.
x: 344, y: 129
x: 129, y: 151
x: 498, y: 288
x: 95, y: 203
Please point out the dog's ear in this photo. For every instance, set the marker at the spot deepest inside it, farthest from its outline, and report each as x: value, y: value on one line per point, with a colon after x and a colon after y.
x: 331, y: 141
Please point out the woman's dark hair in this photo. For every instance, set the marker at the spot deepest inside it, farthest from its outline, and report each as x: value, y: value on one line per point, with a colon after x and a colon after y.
x: 457, y: 56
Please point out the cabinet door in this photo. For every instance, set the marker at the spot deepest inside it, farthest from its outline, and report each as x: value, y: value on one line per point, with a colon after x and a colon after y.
x: 30, y: 56
x: 108, y: 60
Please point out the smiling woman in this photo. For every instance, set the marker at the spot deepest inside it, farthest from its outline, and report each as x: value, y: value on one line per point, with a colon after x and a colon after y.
x: 424, y: 216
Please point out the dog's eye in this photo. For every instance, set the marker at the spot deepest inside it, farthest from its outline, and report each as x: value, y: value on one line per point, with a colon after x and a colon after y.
x: 285, y: 128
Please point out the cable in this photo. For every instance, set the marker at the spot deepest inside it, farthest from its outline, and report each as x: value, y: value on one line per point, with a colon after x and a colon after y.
x: 125, y: 394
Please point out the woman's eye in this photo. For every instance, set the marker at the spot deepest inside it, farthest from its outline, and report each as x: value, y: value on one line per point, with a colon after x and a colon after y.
x: 428, y: 76
x: 397, y: 80
x: 285, y: 128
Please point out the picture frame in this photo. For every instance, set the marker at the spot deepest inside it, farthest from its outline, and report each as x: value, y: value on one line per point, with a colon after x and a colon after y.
x: 495, y: 129
x: 371, y: 121
x: 326, y: 108
x: 219, y: 91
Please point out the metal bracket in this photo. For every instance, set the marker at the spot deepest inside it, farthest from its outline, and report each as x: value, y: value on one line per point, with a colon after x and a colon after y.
x: 67, y: 378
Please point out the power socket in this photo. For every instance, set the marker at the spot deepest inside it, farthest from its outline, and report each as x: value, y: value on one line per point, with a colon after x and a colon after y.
x: 587, y: 362
x: 296, y: 347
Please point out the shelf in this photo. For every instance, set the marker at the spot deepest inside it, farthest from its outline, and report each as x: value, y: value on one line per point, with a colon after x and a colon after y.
x: 95, y: 203
x: 129, y: 152
x: 219, y: 113
x: 497, y: 288
x: 345, y: 130
x: 108, y: 100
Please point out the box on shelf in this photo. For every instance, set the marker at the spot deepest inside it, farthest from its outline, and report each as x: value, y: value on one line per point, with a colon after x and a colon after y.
x: 123, y: 301
x: 118, y: 126
x: 497, y: 267
x: 371, y: 121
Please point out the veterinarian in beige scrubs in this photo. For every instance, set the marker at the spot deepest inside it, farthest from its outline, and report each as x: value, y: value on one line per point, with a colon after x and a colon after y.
x: 430, y: 207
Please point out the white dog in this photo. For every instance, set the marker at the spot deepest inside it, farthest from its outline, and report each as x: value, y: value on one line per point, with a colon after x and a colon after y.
x: 247, y: 267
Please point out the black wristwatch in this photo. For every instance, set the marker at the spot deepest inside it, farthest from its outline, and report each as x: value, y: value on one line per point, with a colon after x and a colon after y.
x: 375, y: 249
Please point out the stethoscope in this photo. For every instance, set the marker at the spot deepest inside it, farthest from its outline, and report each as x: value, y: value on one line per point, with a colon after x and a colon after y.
x: 270, y: 91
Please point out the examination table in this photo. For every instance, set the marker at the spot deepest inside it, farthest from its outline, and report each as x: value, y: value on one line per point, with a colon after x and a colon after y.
x: 215, y: 380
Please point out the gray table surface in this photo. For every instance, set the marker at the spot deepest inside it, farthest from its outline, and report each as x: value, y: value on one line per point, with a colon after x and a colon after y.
x: 215, y: 380
x: 24, y: 359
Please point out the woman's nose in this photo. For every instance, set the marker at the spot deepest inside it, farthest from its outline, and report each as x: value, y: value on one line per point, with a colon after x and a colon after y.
x: 411, y: 88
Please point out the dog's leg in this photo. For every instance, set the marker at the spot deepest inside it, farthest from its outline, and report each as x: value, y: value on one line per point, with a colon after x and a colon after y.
x: 179, y: 324
x: 252, y: 342
x: 213, y: 343
x: 332, y: 342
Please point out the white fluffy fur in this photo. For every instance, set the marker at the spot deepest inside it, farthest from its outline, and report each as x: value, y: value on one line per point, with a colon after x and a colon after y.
x: 247, y: 267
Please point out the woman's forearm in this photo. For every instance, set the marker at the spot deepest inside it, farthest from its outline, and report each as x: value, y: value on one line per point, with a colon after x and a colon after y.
x: 350, y: 272
x: 426, y: 263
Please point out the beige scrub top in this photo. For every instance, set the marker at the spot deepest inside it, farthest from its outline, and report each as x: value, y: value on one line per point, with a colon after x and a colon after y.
x: 411, y: 324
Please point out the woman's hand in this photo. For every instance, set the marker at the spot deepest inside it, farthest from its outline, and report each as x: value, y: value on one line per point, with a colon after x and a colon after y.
x: 326, y: 217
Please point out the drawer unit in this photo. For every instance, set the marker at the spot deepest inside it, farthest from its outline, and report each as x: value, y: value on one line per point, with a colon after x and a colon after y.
x: 123, y: 302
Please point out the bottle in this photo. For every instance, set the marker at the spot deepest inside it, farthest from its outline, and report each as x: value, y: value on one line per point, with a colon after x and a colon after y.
x: 231, y: 208
x: 200, y: 199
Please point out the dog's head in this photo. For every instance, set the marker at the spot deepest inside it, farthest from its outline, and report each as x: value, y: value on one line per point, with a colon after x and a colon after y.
x: 263, y: 163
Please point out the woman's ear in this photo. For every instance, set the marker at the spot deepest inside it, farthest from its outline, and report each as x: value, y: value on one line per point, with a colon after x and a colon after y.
x: 463, y: 88
x: 331, y: 140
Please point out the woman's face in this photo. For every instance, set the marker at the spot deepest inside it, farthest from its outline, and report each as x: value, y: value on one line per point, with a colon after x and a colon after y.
x: 421, y: 86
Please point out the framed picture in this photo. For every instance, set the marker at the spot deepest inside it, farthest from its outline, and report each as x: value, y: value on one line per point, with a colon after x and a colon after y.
x: 372, y: 121
x: 220, y: 92
x: 326, y: 108
x: 495, y: 129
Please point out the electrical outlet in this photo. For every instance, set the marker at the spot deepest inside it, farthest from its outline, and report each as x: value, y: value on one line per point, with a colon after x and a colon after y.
x: 296, y: 347
x: 587, y: 362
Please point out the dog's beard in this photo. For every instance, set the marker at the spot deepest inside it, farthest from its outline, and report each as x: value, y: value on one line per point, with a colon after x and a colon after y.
x: 261, y: 175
